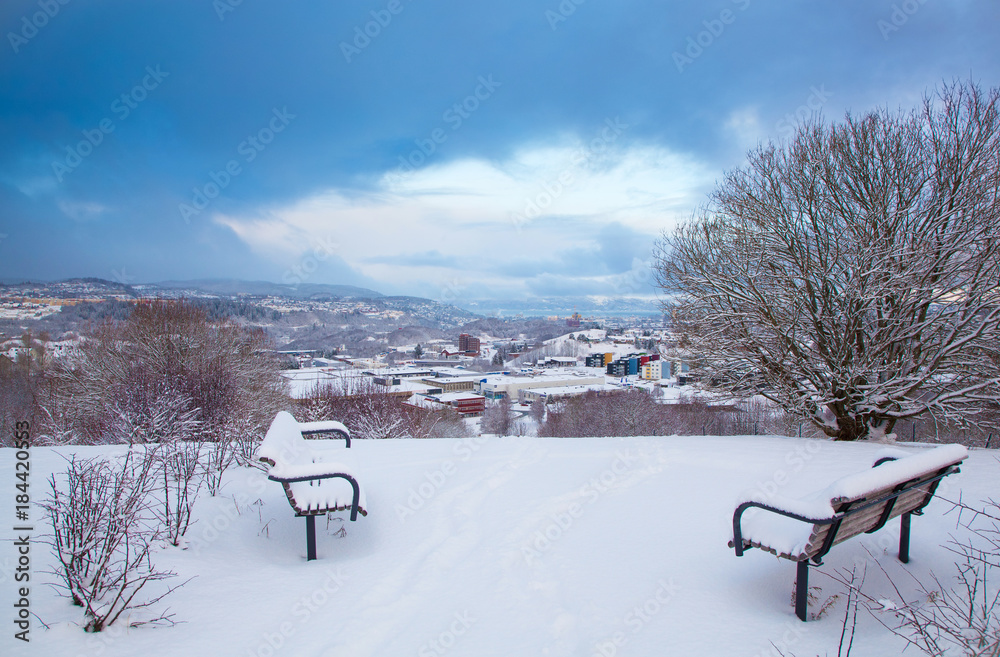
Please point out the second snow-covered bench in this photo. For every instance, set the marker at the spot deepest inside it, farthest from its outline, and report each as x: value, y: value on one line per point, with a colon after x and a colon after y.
x: 804, y: 530
x: 313, y: 486
x: 325, y: 426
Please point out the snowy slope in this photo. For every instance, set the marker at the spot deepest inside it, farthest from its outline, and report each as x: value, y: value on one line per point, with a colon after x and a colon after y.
x: 513, y: 546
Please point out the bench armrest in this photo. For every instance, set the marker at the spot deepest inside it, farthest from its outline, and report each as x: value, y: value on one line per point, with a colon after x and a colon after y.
x: 356, y: 489
x: 305, y: 471
x: 326, y: 426
x: 737, y: 518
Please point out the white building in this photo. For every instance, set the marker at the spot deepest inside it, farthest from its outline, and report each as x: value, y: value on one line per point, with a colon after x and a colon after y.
x: 546, y: 395
x: 653, y: 370
x: 496, y: 387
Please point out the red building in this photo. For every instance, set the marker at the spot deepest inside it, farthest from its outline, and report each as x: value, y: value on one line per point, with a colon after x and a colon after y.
x: 466, y: 404
x: 463, y: 403
x: 468, y: 345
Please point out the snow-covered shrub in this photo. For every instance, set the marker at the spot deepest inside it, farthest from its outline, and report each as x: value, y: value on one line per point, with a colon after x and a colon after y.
x: 103, y: 532
x: 964, y: 618
x: 939, y: 618
x: 147, y: 409
x: 634, y: 412
x: 435, y: 423
x: 216, y: 457
x: 181, y: 473
x: 619, y: 413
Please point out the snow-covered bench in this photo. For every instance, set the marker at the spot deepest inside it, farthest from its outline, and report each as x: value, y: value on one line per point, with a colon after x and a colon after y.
x: 325, y: 426
x: 805, y: 529
x: 313, y: 486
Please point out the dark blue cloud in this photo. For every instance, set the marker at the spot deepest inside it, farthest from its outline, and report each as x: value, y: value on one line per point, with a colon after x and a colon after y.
x: 186, y: 97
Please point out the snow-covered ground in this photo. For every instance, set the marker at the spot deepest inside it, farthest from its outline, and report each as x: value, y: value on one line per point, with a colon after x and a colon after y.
x: 504, y: 546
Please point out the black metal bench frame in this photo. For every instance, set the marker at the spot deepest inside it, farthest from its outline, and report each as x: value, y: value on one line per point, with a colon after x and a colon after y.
x: 844, y: 510
x: 311, y: 517
x: 340, y: 434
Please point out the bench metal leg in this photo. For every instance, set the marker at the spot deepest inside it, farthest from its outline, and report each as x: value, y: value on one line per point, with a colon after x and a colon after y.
x: 310, y: 538
x: 802, y: 590
x: 904, y: 538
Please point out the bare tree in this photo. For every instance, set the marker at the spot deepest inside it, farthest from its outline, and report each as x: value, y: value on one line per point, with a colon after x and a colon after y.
x: 538, y: 411
x: 566, y: 348
x: 850, y: 275
x: 498, y: 418
x: 18, y: 390
x: 365, y: 407
x: 164, y: 373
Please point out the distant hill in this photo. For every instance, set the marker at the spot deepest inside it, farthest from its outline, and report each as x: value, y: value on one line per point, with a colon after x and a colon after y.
x: 233, y: 287
x: 74, y: 287
x: 589, y: 306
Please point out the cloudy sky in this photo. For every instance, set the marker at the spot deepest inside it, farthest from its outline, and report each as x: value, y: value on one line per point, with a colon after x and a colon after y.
x: 443, y: 149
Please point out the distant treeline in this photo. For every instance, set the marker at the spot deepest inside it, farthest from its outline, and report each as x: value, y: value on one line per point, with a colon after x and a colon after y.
x: 99, y: 311
x: 217, y: 309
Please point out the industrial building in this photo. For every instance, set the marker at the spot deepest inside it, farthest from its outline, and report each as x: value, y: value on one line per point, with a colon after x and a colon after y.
x: 497, y: 387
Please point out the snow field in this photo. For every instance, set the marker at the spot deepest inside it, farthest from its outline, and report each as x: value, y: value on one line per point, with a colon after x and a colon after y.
x: 506, y: 546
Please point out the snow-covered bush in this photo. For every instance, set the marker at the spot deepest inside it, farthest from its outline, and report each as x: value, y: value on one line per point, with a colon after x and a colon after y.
x: 444, y: 422
x: 364, y: 406
x: 963, y: 618
x: 634, y: 412
x: 942, y: 618
x: 103, y: 533
x: 181, y: 473
x: 147, y: 409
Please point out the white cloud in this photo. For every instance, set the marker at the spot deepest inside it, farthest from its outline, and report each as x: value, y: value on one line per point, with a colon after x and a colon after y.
x: 81, y: 211
x: 476, y: 213
x: 745, y: 127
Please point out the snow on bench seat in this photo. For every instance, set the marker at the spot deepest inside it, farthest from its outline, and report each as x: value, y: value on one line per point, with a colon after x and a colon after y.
x: 794, y: 539
x: 312, y: 485
x: 318, y: 492
x: 804, y: 529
